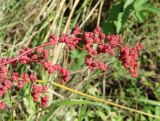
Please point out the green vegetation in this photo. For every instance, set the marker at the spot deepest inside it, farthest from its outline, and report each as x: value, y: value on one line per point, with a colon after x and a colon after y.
x: 26, y: 23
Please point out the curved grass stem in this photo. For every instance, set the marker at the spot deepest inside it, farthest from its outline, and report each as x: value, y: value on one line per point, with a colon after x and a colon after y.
x: 101, y: 100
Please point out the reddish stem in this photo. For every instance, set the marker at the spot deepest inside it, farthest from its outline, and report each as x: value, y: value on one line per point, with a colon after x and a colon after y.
x: 14, y: 59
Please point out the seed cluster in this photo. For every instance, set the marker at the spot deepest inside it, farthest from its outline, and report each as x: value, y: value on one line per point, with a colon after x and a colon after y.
x: 97, y: 42
x: 93, y: 43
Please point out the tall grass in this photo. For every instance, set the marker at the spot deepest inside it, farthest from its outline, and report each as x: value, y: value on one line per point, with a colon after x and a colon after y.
x: 26, y: 23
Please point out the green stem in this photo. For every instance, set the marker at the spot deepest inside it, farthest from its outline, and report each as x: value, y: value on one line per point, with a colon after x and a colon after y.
x: 9, y: 93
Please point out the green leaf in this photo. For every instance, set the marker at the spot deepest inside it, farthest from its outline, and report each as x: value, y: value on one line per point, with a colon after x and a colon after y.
x: 139, y: 3
x: 150, y: 102
x: 79, y: 58
x: 118, y: 23
x: 101, y: 114
x: 108, y: 25
x: 82, y: 113
x: 74, y: 54
x: 150, y: 8
x: 127, y: 3
x: 142, y: 8
x: 140, y: 16
x: 57, y: 104
x: 30, y: 105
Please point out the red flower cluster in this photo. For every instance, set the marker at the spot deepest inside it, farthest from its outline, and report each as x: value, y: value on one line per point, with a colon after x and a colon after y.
x: 129, y: 58
x: 5, y: 86
x: 97, y: 42
x: 2, y: 105
x: 52, y: 68
x: 38, y: 92
x: 92, y: 64
x: 93, y: 43
x: 70, y: 40
x: 39, y: 55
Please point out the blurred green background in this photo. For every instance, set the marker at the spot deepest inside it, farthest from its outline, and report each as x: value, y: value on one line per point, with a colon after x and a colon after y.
x: 28, y: 23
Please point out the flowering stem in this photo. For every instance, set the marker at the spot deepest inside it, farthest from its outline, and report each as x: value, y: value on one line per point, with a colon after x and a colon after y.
x: 16, y: 58
x: 82, y: 50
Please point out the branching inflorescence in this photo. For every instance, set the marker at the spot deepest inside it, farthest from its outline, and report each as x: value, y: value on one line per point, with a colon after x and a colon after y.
x: 93, y: 43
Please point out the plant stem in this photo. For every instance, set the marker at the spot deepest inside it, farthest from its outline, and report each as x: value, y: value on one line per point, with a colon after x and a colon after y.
x: 101, y: 100
x: 9, y: 93
x: 16, y: 58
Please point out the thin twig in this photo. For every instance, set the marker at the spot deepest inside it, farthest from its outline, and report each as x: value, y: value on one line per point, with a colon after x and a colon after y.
x: 11, y: 106
x: 100, y: 11
x: 104, y: 86
x: 55, y: 93
x: 89, y: 15
x: 58, y: 49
